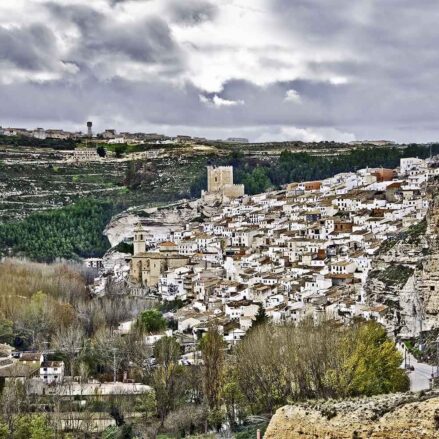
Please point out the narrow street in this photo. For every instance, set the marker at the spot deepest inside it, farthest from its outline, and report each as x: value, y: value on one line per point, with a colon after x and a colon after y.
x: 420, y: 376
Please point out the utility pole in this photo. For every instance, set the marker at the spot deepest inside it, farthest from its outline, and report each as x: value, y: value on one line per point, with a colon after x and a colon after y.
x: 45, y: 349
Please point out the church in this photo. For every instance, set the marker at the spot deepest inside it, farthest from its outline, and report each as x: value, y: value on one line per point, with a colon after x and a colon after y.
x: 147, y: 267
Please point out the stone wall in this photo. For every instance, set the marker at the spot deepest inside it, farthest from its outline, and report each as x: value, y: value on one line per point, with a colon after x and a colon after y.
x: 233, y: 190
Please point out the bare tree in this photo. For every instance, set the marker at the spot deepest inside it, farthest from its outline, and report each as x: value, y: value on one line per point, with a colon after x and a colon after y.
x: 69, y: 341
x: 13, y: 402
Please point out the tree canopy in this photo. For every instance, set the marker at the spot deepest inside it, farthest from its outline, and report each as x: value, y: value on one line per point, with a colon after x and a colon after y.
x: 70, y: 232
x: 277, y: 364
x: 151, y: 321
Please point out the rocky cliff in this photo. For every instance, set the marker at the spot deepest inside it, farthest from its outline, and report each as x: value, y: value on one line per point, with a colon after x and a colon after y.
x: 397, y: 416
x: 405, y: 274
x: 158, y: 219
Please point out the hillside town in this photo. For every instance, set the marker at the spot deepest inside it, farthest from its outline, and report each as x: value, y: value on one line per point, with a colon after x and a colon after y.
x: 303, y: 251
x: 218, y: 220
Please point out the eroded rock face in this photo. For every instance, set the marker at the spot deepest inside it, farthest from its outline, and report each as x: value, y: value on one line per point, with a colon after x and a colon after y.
x: 429, y: 279
x: 398, y: 416
x: 164, y: 219
x: 405, y: 275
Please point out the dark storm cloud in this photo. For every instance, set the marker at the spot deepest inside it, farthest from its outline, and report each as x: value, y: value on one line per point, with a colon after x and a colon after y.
x: 29, y: 48
x: 391, y: 79
x: 391, y: 40
x: 146, y: 41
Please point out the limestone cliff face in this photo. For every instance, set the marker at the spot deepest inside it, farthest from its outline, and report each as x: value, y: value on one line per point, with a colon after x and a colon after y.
x: 161, y: 220
x: 405, y: 274
x: 429, y: 278
x: 399, y: 416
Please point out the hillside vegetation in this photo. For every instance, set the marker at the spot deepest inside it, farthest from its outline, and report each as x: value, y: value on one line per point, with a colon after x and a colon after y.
x: 72, y: 232
x: 39, y: 302
x: 19, y: 141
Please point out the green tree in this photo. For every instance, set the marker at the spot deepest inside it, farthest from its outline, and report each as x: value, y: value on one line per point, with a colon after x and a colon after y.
x: 4, y: 431
x: 22, y: 427
x: 110, y: 432
x: 120, y: 150
x: 71, y: 232
x: 151, y: 321
x: 101, y: 151
x: 232, y: 397
x: 168, y: 377
x: 372, y: 365
x: 40, y: 428
x: 212, y: 350
x: 147, y: 405
x: 6, y: 330
x: 261, y: 317
x: 277, y: 364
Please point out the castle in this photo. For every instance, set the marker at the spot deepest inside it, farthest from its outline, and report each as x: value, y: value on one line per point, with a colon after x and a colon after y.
x: 220, y: 183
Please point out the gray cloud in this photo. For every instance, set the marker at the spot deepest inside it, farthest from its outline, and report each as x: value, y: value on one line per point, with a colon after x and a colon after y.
x: 147, y: 41
x: 367, y: 68
x: 28, y: 47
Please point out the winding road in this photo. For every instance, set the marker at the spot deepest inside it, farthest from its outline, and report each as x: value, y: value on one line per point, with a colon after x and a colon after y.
x: 421, y: 375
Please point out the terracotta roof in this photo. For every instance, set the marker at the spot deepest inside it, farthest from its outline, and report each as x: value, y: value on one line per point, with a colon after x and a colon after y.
x: 167, y: 244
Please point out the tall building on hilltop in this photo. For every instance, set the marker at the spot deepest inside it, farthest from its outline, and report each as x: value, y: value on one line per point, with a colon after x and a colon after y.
x: 218, y: 177
x: 89, y: 131
x: 220, y: 182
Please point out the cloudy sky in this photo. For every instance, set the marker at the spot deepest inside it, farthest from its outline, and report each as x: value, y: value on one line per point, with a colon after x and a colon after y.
x: 263, y: 69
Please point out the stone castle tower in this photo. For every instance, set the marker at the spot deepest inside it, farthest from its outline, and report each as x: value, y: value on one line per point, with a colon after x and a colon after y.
x: 220, y: 183
x: 219, y: 177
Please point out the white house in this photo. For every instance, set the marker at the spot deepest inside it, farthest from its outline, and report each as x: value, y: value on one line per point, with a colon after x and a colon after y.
x: 52, y: 372
x: 409, y: 163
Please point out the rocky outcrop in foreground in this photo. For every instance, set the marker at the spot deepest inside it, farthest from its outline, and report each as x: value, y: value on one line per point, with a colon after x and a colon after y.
x: 397, y: 416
